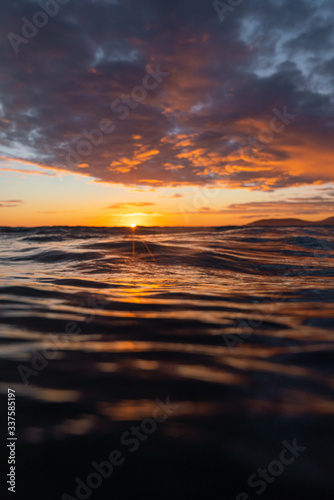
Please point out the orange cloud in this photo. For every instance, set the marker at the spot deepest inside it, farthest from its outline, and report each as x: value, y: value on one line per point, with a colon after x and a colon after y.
x: 131, y: 204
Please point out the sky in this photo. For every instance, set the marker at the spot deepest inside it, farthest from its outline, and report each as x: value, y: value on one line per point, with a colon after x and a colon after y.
x: 165, y: 112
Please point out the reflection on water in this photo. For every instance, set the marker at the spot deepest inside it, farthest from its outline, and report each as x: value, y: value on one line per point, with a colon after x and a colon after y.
x: 235, y: 325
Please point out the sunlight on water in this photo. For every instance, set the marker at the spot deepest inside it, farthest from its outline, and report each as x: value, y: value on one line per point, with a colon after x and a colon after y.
x: 232, y: 324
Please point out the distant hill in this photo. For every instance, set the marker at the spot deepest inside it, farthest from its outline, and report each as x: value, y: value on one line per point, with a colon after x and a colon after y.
x: 292, y: 222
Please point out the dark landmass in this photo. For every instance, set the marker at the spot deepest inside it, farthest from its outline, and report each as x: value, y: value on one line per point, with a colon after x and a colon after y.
x: 292, y: 222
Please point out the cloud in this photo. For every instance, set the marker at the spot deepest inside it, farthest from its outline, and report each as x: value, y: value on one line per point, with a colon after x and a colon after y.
x: 125, y: 206
x: 224, y: 81
x: 306, y: 205
x: 27, y: 172
x: 10, y: 203
x: 56, y: 212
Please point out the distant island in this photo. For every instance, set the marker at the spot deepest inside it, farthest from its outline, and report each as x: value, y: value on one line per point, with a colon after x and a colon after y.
x: 292, y: 222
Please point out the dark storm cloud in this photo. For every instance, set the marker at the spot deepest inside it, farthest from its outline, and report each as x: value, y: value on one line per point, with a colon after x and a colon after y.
x: 224, y: 81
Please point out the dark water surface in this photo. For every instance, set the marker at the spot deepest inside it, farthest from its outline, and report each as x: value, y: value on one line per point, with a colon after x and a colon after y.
x: 233, y: 326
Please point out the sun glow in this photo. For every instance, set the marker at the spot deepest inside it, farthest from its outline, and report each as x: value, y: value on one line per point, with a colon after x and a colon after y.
x: 133, y: 225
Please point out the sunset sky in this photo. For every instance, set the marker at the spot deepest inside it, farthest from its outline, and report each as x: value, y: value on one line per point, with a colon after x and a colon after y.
x: 165, y: 112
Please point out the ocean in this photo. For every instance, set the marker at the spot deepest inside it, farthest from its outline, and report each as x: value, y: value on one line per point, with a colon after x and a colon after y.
x: 168, y: 363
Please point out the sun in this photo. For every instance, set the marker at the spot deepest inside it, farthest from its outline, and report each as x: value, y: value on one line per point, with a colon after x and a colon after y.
x: 133, y: 225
